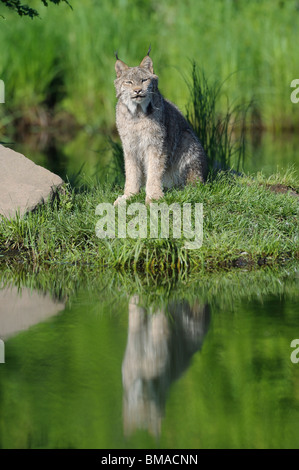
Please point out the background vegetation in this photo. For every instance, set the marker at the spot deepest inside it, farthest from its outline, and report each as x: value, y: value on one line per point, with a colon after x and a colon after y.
x: 65, y: 62
x: 25, y: 10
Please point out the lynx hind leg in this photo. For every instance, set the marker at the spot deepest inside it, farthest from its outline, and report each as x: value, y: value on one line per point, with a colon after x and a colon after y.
x: 194, y: 161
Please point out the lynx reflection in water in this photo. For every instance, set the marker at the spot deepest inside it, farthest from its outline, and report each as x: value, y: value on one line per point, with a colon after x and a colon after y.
x: 159, y: 349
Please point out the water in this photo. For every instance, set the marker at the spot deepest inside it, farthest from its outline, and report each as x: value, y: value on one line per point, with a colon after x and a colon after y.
x: 90, y: 154
x: 104, y: 360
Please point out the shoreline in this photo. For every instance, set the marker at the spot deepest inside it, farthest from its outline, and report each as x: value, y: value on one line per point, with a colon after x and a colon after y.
x: 248, y: 222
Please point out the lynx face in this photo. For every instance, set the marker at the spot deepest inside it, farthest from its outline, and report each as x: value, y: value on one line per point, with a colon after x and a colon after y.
x: 135, y: 85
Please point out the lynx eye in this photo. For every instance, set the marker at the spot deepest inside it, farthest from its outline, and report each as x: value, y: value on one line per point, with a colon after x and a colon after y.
x: 129, y: 82
x: 144, y: 80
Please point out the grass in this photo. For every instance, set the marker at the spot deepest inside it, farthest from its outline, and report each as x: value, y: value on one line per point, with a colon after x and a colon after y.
x: 65, y: 60
x: 215, y: 131
x: 245, y: 224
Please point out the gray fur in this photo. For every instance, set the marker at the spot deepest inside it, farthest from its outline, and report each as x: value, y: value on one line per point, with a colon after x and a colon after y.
x: 160, y: 147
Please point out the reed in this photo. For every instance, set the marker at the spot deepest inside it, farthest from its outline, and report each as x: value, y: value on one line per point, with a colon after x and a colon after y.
x: 66, y: 57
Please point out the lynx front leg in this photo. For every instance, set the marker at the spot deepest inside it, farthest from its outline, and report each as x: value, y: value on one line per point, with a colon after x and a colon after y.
x: 154, y: 177
x: 133, y: 179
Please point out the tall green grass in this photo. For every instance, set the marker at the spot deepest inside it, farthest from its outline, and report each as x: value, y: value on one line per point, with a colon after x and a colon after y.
x: 216, y: 132
x: 68, y: 54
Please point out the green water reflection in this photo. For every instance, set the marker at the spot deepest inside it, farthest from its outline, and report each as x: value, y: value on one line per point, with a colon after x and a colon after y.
x: 91, y: 155
x: 126, y: 363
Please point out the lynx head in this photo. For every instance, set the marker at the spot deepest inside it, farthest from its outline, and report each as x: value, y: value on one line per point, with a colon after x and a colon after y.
x: 135, y: 85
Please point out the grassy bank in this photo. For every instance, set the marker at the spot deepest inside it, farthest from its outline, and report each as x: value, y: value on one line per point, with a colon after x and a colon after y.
x: 64, y: 62
x: 245, y: 224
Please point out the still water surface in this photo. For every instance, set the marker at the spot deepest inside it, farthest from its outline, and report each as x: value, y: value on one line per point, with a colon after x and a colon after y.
x: 90, y: 155
x: 99, y: 363
x: 94, y: 362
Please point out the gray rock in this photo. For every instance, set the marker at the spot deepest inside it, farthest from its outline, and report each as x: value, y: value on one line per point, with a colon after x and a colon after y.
x: 23, y: 184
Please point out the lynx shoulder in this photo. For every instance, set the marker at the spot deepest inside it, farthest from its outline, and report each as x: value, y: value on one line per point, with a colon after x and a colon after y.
x: 160, y: 148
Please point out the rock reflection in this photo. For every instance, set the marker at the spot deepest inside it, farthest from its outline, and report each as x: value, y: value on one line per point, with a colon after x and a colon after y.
x: 159, y: 349
x: 22, y: 308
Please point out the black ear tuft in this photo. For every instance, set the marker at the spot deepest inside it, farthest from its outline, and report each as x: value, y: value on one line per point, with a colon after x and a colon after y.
x: 149, y: 50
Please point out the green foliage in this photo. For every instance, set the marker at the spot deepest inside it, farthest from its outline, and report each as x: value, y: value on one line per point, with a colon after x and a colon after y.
x: 252, y: 43
x: 114, y: 171
x: 25, y: 10
x: 215, y: 131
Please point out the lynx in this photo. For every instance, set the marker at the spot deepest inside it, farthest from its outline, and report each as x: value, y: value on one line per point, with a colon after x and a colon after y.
x: 160, y: 148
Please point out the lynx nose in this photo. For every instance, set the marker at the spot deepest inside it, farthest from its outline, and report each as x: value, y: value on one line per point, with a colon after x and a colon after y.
x: 137, y: 91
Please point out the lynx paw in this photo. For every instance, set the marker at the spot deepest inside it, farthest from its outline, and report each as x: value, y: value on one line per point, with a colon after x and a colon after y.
x: 153, y: 197
x: 120, y: 199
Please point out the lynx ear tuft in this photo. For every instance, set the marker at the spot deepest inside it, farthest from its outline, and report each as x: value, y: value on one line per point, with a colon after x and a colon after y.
x: 120, y: 67
x: 147, y: 63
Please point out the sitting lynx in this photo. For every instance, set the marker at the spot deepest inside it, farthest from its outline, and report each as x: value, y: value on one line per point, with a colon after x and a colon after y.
x: 160, y: 148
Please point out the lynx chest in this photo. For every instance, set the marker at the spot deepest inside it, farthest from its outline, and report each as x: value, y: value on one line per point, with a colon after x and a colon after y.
x: 139, y: 133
